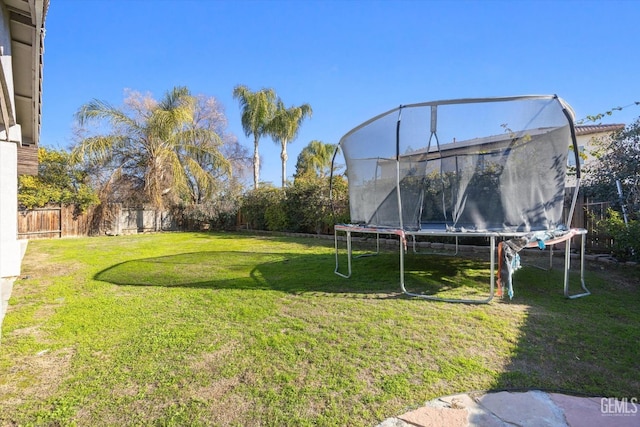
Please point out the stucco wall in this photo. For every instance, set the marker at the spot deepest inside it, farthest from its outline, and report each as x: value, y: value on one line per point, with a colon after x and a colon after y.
x: 11, y: 249
x: 10, y: 253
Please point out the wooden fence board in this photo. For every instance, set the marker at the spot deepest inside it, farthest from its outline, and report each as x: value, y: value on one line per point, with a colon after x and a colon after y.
x: 53, y: 222
x: 41, y: 223
x: 597, y: 240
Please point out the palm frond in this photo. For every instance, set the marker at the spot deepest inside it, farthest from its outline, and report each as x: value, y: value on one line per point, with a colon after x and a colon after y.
x: 257, y: 109
x: 286, y: 122
x: 97, y: 149
x: 175, y: 98
x: 101, y: 110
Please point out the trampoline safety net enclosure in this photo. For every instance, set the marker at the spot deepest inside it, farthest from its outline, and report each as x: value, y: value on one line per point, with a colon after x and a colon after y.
x: 476, y: 165
x: 493, y: 167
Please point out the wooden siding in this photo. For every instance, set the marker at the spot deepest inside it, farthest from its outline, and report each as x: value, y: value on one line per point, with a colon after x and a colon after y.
x: 28, y: 159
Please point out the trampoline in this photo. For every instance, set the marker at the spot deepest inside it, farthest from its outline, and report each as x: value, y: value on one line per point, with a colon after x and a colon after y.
x: 482, y: 167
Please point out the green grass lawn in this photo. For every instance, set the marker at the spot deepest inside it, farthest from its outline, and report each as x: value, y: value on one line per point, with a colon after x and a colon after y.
x: 240, y: 330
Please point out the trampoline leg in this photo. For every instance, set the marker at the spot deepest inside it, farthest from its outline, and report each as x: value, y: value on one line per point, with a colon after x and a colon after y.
x: 567, y: 266
x: 464, y: 301
x: 348, y: 238
x: 492, y: 270
x: 550, y: 261
x: 401, y: 249
x: 377, y: 252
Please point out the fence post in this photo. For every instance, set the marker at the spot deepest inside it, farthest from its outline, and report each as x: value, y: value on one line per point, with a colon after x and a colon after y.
x: 59, y: 209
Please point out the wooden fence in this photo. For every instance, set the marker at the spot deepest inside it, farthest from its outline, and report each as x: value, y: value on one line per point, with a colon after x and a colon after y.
x: 58, y: 221
x: 53, y: 222
x: 597, y: 239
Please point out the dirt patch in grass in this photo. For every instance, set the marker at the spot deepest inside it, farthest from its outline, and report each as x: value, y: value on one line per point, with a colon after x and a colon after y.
x: 224, y: 406
x: 211, y: 361
x: 37, y: 265
x: 35, y: 377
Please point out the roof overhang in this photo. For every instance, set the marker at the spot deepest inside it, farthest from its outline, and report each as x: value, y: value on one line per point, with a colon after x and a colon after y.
x: 21, y: 100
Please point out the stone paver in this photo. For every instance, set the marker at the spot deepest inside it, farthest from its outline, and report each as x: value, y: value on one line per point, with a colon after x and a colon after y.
x: 394, y: 422
x: 529, y: 409
x: 532, y: 408
x: 597, y: 411
x: 431, y: 416
x: 477, y: 415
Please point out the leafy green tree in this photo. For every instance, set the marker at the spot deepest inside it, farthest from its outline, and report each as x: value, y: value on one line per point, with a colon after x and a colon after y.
x: 209, y: 115
x: 150, y: 151
x: 618, y: 158
x: 258, y: 108
x: 216, y: 206
x: 283, y: 128
x: 59, y: 180
x: 315, y: 159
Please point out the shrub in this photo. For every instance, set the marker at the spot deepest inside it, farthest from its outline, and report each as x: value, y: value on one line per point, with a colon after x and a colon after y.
x: 304, y: 207
x: 255, y: 204
x: 217, y: 214
x: 275, y: 215
x: 626, y: 237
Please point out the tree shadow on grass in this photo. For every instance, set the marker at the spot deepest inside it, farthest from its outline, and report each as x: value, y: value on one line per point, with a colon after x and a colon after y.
x: 296, y: 273
x: 447, y: 276
x: 588, y: 345
x: 287, y: 272
x: 308, y: 240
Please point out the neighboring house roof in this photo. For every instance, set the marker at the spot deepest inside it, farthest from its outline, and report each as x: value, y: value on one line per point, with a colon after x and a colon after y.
x: 591, y: 129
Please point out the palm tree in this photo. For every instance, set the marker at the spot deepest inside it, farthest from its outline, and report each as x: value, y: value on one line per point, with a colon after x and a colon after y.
x: 257, y: 111
x: 283, y: 128
x: 155, y: 150
x: 315, y: 158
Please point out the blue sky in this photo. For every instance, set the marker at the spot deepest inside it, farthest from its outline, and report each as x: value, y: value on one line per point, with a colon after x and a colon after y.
x: 350, y: 59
